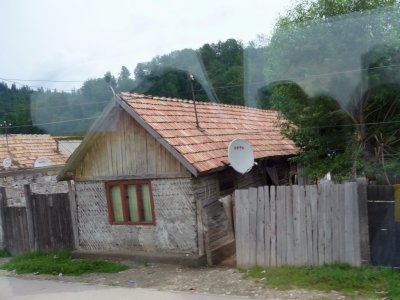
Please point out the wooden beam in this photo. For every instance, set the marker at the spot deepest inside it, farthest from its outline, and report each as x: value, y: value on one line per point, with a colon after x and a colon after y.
x: 363, y: 223
x: 133, y: 176
x: 3, y: 205
x: 200, y: 228
x: 74, y: 213
x: 29, y: 215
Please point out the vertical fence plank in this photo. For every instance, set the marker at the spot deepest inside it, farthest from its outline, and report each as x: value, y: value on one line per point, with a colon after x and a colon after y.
x: 363, y: 224
x: 252, y: 226
x: 321, y: 209
x: 74, y: 218
x: 328, y: 223
x: 335, y: 223
x: 279, y: 221
x: 312, y: 195
x: 241, y: 228
x: 290, y: 254
x: 260, y: 258
x: 309, y: 227
x: 29, y: 214
x: 280, y: 225
x: 342, y: 240
x: 349, y: 222
x: 303, y: 229
x: 267, y: 232
x: 3, y: 205
x: 296, y: 224
x: 356, y: 230
x: 272, y: 202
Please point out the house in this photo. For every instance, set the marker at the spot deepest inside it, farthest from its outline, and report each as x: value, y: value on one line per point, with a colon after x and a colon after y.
x: 147, y: 178
x: 30, y: 159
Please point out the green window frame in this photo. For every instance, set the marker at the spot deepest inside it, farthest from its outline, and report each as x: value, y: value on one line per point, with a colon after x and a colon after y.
x: 130, y: 202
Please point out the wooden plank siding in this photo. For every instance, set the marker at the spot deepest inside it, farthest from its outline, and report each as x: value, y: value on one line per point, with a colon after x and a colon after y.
x: 301, y: 225
x: 127, y: 150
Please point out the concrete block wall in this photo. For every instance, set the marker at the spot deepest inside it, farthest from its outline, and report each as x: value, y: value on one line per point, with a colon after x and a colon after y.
x: 175, y: 215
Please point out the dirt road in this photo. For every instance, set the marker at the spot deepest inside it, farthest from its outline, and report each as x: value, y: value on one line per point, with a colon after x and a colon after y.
x: 164, y: 277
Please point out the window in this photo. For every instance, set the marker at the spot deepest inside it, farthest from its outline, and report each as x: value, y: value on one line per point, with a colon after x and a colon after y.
x: 130, y: 202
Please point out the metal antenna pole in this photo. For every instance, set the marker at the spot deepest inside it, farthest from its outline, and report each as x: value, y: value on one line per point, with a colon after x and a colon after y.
x: 191, y: 79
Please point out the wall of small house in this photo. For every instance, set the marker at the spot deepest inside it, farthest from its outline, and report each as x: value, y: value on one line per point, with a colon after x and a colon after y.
x: 175, y: 215
x: 126, y: 149
x: 41, y: 182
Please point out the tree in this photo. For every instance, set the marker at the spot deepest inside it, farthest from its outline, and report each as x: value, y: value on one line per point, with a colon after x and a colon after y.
x: 124, y: 82
x: 342, y: 56
x: 217, y: 69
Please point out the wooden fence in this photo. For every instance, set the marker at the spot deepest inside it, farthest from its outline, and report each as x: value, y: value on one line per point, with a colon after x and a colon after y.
x: 44, y: 224
x: 383, y: 228
x: 301, y: 225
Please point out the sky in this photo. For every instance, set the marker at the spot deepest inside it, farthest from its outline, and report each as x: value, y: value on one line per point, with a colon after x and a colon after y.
x: 76, y: 40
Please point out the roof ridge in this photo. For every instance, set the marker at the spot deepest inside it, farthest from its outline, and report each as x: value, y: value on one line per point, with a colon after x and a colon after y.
x: 137, y: 96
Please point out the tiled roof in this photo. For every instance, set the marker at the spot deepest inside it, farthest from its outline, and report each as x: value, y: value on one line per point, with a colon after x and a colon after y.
x: 24, y: 149
x: 206, y: 149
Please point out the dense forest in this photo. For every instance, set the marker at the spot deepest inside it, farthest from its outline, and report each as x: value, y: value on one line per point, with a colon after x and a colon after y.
x: 218, y: 71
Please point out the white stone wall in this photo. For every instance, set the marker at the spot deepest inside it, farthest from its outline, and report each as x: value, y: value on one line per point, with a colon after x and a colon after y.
x: 175, y: 216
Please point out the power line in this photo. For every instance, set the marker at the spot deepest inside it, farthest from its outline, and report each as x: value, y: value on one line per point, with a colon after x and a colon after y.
x: 34, y: 109
x: 56, y: 122
x: 305, y: 77
x: 218, y: 87
x: 39, y: 80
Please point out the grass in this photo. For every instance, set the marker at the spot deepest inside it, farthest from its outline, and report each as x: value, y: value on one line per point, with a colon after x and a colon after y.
x: 365, y: 281
x: 59, y: 262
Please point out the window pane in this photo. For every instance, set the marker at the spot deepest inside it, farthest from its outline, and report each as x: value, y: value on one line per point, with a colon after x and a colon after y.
x: 117, y: 204
x: 148, y: 217
x: 132, y: 199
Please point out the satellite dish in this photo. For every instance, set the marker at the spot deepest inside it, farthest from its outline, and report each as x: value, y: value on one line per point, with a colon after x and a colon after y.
x: 7, y: 162
x: 240, y: 155
x: 41, y: 162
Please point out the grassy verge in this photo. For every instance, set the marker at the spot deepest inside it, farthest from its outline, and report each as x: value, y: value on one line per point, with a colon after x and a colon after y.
x: 365, y: 281
x: 59, y: 262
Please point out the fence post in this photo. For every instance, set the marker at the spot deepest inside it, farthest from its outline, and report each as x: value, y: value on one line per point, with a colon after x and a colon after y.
x: 29, y: 216
x: 3, y: 205
x: 74, y: 215
x: 363, y: 219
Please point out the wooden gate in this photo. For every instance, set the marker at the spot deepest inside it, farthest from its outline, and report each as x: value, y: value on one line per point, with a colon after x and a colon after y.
x: 43, y: 224
x: 384, y: 230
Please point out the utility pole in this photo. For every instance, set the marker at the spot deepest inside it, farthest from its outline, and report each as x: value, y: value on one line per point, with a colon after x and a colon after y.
x: 6, y: 125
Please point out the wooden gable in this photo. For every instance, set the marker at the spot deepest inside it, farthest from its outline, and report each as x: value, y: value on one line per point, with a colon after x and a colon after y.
x: 127, y: 150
